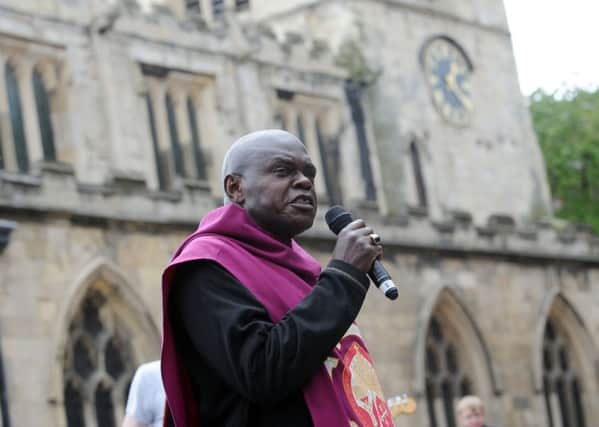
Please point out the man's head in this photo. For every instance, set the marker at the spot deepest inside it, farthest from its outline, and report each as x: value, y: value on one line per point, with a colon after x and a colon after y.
x: 471, y: 412
x: 271, y: 176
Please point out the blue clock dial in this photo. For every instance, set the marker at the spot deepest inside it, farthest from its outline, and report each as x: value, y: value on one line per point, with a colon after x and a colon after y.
x: 448, y: 73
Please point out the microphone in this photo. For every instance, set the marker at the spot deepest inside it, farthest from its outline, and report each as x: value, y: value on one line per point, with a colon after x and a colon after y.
x: 337, y: 219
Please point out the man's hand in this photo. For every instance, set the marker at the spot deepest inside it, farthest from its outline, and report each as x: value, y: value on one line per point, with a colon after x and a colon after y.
x: 355, y: 246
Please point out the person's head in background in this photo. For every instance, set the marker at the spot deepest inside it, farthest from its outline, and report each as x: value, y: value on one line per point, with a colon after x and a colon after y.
x: 471, y: 412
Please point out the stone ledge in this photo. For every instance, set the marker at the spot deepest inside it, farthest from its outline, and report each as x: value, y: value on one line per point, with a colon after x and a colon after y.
x: 503, y: 237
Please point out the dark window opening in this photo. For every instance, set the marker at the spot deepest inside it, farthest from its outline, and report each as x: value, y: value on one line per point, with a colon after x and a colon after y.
x: 73, y: 402
x: 279, y: 122
x: 242, y: 4
x: 42, y: 104
x: 353, y: 93
x: 161, y: 159
x: 285, y: 95
x: 561, y: 380
x: 329, y: 153
x: 179, y: 166
x: 418, y: 176
x: 193, y: 6
x: 301, y: 132
x: 1, y: 153
x: 104, y: 406
x: 97, y: 364
x: 446, y: 379
x: 200, y: 161
x: 218, y: 7
x: 16, y: 119
x: 448, y: 396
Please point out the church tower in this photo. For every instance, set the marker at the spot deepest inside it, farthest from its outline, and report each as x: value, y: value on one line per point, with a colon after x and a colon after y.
x: 438, y: 83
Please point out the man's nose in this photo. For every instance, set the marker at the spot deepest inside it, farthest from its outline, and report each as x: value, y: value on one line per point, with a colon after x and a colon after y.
x: 303, y: 181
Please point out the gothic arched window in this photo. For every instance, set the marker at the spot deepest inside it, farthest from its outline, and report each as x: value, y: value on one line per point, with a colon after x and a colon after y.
x: 561, y: 380
x: 16, y: 118
x: 97, y: 367
x: 446, y: 381
x: 42, y: 105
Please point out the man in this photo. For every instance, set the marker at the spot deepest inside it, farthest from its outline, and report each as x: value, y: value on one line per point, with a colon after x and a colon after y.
x: 145, y: 403
x: 255, y: 334
x: 471, y: 412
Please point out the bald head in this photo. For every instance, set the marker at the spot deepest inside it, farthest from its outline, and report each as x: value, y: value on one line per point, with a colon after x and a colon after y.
x: 251, y: 148
x: 270, y: 174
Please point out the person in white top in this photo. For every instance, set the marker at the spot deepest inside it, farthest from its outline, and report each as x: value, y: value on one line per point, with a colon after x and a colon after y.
x: 145, y: 403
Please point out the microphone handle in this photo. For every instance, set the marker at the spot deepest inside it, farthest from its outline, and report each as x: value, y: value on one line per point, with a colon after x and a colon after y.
x: 382, y: 279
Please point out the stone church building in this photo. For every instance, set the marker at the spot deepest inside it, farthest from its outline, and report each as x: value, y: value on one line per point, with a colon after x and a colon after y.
x: 115, y: 117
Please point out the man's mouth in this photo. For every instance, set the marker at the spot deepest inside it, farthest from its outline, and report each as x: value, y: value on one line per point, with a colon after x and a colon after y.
x: 303, y: 200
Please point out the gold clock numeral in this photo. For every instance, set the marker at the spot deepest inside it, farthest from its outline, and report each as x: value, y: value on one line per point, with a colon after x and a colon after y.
x: 467, y: 103
x: 447, y: 110
x: 439, y: 97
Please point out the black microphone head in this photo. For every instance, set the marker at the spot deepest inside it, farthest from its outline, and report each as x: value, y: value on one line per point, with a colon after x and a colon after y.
x: 337, y: 218
x: 392, y: 293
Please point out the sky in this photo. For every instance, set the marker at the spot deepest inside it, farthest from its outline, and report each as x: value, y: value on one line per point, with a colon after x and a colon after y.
x: 556, y: 43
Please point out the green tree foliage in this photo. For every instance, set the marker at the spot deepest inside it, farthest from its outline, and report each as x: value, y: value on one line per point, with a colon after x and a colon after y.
x: 568, y: 130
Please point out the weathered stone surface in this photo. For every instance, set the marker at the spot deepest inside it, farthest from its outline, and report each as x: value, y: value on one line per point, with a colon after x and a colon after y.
x: 477, y: 257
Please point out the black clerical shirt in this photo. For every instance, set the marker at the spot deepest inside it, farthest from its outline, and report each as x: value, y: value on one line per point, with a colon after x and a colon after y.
x: 246, y: 370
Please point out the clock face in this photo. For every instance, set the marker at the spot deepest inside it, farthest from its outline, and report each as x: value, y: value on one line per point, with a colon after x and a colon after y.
x: 448, y: 73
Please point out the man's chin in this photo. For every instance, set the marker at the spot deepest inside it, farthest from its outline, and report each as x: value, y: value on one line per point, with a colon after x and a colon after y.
x: 301, y: 225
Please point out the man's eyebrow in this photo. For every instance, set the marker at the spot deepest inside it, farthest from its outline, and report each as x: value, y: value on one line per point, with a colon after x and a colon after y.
x: 281, y: 158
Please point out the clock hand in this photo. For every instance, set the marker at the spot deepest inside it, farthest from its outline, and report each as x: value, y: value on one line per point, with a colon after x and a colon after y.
x: 452, y: 85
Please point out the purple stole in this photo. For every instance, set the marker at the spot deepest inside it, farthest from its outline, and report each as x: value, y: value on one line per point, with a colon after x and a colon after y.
x: 344, y: 392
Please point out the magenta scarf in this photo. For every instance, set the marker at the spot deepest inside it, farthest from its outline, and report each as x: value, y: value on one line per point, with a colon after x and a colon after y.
x: 343, y: 392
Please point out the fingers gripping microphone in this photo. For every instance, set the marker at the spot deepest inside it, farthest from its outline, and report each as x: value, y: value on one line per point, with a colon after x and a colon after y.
x: 337, y: 219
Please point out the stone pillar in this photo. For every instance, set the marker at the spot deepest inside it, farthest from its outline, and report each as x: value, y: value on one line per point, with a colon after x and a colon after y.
x: 206, y: 10
x: 178, y: 7
x: 440, y: 412
x: 230, y: 5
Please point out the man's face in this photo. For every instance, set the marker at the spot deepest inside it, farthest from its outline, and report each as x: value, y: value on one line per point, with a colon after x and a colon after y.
x: 278, y: 187
x: 472, y: 417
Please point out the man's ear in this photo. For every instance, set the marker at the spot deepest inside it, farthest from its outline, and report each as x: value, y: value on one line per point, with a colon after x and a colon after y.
x: 234, y: 190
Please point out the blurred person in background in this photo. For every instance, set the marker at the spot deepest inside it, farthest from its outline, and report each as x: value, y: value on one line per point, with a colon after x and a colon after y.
x: 471, y: 412
x: 146, y: 400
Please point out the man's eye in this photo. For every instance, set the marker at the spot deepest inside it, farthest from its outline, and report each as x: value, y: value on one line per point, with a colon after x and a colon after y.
x: 283, y: 171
